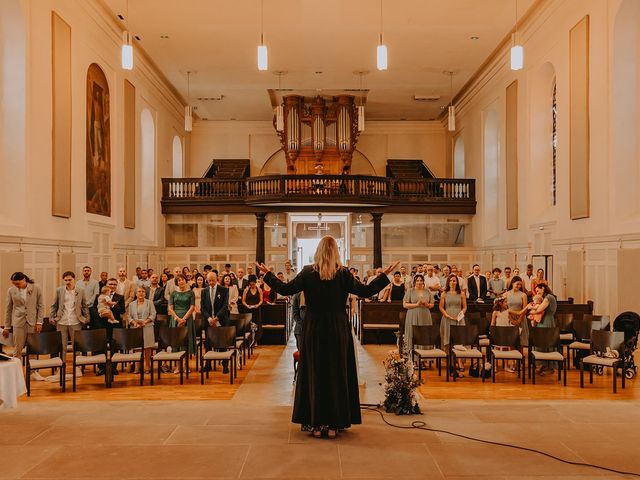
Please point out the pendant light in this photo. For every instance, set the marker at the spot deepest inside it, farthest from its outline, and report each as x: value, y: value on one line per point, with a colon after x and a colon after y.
x: 452, y: 108
x: 361, y: 106
x: 381, y: 51
x: 517, y: 50
x: 127, y: 47
x: 280, y: 108
x: 188, y: 110
x: 263, y: 57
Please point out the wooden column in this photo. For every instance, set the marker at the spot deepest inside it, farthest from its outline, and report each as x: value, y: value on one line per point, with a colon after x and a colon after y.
x: 261, y: 218
x: 377, y: 239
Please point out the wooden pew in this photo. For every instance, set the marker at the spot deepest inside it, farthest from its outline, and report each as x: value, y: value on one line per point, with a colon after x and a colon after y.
x: 274, y: 324
x: 379, y: 321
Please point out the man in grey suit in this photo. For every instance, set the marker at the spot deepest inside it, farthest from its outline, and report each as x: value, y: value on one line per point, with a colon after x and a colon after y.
x: 25, y: 310
x: 69, y: 310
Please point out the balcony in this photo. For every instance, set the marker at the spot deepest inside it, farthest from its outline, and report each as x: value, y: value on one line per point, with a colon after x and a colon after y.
x: 307, y: 192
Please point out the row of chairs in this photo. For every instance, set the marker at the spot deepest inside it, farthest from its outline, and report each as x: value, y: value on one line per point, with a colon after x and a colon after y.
x: 93, y: 348
x: 544, y: 345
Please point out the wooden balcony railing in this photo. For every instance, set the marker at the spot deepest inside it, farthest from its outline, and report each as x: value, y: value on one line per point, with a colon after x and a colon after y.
x: 445, y: 195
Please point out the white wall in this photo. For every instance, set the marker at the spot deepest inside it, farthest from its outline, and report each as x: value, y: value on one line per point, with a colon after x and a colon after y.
x: 26, y: 223
x: 258, y: 141
x: 543, y: 228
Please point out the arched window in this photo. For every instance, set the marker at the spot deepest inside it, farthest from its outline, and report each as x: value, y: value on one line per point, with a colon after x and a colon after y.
x: 177, y: 157
x: 554, y: 143
x: 12, y: 114
x: 147, y: 175
x: 458, y: 158
x: 491, y: 192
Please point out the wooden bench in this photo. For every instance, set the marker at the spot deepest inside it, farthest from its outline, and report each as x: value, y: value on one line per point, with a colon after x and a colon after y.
x: 274, y: 324
x: 380, y: 320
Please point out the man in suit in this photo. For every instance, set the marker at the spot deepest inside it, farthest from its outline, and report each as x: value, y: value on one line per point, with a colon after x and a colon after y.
x: 118, y: 310
x: 214, y: 305
x: 477, y: 285
x: 69, y: 311
x: 155, y: 293
x: 24, y: 310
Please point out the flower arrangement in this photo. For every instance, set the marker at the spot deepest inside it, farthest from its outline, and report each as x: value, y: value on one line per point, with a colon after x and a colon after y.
x: 400, y: 385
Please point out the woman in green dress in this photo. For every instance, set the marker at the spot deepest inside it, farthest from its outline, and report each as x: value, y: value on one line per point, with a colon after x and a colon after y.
x: 181, y: 307
x: 548, y: 308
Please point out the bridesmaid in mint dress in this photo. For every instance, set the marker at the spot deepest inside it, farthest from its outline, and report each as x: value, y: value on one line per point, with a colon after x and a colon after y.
x: 418, y: 300
x: 181, y: 307
x: 452, y: 303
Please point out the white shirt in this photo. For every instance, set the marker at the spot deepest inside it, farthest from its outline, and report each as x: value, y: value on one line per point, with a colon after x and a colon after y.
x: 432, y: 281
x: 69, y: 316
x: 23, y: 294
x: 212, y: 293
x: 120, y: 288
x: 526, y: 281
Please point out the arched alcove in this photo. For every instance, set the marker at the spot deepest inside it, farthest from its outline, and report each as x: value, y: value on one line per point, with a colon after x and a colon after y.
x: 177, y: 157
x: 491, y: 161
x: 458, y: 158
x: 626, y: 99
x: 12, y: 113
x: 542, y: 165
x: 147, y: 187
x: 276, y: 164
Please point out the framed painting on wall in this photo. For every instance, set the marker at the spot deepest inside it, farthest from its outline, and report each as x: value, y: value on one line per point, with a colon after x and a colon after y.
x: 98, y: 143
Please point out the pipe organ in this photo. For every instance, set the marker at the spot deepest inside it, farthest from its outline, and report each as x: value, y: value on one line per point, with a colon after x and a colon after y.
x: 319, y: 134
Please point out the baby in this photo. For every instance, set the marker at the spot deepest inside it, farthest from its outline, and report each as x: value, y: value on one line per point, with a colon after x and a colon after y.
x: 105, y: 304
x: 535, y: 318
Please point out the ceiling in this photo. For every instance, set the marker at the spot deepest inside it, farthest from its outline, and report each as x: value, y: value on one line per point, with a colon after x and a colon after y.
x: 320, y: 45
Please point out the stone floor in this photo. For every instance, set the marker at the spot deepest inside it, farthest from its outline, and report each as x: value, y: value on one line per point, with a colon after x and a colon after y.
x: 250, y: 436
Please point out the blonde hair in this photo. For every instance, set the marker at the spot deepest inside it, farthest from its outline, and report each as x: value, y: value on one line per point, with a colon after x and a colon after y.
x: 327, y: 258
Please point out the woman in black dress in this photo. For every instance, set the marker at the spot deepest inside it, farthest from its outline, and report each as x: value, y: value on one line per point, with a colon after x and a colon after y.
x: 327, y: 397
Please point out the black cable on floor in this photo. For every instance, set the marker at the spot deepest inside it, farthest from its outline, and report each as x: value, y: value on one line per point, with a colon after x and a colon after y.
x: 420, y: 425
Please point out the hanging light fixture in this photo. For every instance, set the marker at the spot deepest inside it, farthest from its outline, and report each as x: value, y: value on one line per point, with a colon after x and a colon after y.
x: 263, y: 57
x: 188, y: 110
x: 127, y: 47
x: 382, y: 48
x: 361, y: 106
x: 452, y: 108
x: 517, y: 50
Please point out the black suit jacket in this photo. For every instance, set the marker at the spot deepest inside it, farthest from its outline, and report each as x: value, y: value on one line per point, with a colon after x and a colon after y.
x: 242, y: 284
x: 472, y: 287
x: 158, y: 299
x: 220, y: 305
x: 118, y: 309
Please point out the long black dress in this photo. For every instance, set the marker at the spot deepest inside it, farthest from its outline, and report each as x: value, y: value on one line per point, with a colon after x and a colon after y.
x: 327, y: 385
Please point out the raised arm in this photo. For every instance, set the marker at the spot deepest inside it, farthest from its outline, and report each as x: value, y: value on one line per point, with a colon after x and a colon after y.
x: 294, y: 286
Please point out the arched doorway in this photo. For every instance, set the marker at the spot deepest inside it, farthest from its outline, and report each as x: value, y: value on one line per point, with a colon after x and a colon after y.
x: 458, y: 158
x: 177, y: 163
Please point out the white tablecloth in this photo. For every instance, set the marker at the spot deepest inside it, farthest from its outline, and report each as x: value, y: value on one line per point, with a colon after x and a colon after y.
x: 11, y: 383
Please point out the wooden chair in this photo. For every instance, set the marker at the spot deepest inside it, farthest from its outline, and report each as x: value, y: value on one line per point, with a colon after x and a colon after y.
x: 600, y: 341
x: 582, y: 336
x: 221, y: 346
x: 173, y: 344
x: 127, y: 346
x: 547, y: 343
x: 506, y: 337
x: 45, y: 343
x: 465, y: 335
x: 198, y: 325
x: 427, y: 336
x: 242, y: 322
x: 93, y: 342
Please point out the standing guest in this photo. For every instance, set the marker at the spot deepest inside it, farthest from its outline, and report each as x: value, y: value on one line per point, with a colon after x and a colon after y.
x: 205, y: 270
x: 117, y: 309
x: 507, y: 278
x: 104, y: 278
x: 172, y: 285
x: 197, y: 290
x: 155, y: 293
x: 136, y: 277
x: 414, y: 270
x: 249, y: 270
x: 368, y: 274
x: 418, y: 301
x: 164, y: 280
x: 500, y: 318
x: 453, y: 306
x: 126, y: 288
x: 233, y: 293
x: 243, y: 282
x: 446, y: 271
x: 327, y: 396
x: 266, y: 292
x: 215, y: 307
x: 461, y: 280
x: 69, y: 311
x: 181, y: 308
x: 405, y: 277
x: 477, y: 285
x: 516, y: 272
x: 496, y: 284
x: 517, y: 302
x: 142, y: 314
x: 299, y: 312
x: 143, y: 279
x: 395, y: 290
x: 548, y: 308
x: 251, y: 301
x: 280, y: 276
x: 226, y: 271
x: 420, y: 270
x: 431, y: 281
x: 526, y: 281
x: 487, y: 275
x: 539, y: 280
x: 90, y: 286
x: 195, y: 273
x: 24, y: 312
x: 289, y: 274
